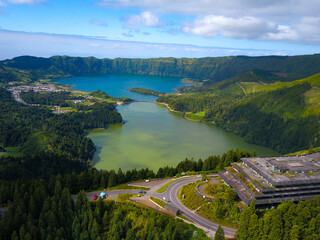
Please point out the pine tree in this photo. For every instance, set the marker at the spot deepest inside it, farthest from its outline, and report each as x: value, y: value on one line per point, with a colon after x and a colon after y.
x: 14, y: 236
x: 242, y: 232
x: 276, y: 230
x: 252, y: 208
x: 219, y: 234
x: 295, y: 232
x: 112, y: 181
x: 105, y: 220
x: 253, y: 227
x: 76, y: 228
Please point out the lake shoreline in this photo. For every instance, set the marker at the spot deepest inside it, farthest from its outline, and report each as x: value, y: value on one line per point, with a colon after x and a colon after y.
x: 184, y: 114
x: 167, y: 105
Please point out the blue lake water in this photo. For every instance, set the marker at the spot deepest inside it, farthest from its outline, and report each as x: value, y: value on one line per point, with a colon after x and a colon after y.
x: 117, y: 85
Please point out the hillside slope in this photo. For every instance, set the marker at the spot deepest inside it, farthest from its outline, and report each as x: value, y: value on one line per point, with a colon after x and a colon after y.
x: 284, y: 115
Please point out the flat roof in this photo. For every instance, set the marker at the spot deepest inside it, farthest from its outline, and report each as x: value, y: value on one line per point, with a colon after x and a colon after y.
x: 294, y: 164
x: 307, y: 163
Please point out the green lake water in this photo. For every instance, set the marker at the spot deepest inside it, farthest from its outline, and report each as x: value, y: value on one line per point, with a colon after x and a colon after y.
x: 152, y: 136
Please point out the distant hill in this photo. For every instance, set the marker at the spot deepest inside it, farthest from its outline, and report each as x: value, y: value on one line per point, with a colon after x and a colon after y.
x: 210, y: 68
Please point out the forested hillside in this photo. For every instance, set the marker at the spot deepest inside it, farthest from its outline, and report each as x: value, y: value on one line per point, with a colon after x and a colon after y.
x: 51, y: 143
x: 283, y: 116
x: 213, y: 69
x: 289, y: 221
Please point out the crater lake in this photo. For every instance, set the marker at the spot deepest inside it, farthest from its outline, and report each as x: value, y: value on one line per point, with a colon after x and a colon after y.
x: 152, y: 136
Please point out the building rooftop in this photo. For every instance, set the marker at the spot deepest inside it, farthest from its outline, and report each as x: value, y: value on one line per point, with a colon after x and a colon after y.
x: 290, y: 170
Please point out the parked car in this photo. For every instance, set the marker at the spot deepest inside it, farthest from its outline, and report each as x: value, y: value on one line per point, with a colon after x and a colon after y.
x: 95, y: 197
x: 103, y: 195
x: 142, y: 192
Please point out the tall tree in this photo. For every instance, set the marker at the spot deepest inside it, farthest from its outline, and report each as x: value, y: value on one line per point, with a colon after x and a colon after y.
x: 219, y: 234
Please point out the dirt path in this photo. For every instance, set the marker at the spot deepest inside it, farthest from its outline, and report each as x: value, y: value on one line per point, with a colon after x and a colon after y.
x: 243, y: 89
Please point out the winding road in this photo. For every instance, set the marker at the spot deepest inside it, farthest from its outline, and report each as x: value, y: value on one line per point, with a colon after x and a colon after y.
x: 171, y: 196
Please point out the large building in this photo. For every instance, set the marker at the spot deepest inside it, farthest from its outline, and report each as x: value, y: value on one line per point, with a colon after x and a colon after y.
x: 273, y: 180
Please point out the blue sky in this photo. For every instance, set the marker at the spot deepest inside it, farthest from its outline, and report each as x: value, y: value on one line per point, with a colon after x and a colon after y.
x: 158, y: 28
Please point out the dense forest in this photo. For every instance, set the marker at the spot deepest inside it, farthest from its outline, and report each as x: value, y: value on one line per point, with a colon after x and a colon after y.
x: 289, y: 221
x: 51, y: 143
x: 146, y: 91
x: 213, y: 69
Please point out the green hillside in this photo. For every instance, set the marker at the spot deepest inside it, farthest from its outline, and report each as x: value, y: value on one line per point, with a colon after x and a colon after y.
x: 282, y: 115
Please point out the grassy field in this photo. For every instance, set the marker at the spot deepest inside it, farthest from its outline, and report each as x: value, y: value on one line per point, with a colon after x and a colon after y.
x: 164, y: 187
x: 312, y: 98
x: 195, y: 116
x: 126, y: 186
x: 189, y: 197
x: 232, y: 89
x: 159, y: 202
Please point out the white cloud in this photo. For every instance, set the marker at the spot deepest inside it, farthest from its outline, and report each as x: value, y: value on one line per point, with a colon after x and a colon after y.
x: 276, y: 8
x: 145, y: 18
x: 13, y: 43
x: 25, y: 1
x: 276, y: 20
x: 306, y: 30
x: 243, y: 28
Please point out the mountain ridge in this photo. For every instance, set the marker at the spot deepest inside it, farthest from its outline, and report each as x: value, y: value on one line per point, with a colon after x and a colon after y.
x: 213, y: 69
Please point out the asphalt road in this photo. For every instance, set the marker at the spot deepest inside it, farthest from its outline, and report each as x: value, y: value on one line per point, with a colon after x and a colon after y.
x: 16, y: 96
x: 91, y: 194
x: 171, y: 197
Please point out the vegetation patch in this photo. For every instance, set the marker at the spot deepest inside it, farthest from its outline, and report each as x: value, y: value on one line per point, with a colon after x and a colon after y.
x: 288, y: 221
x: 225, y: 207
x: 146, y: 91
x: 223, y: 210
x: 184, y: 217
x: 198, y: 116
x: 126, y: 186
x: 305, y: 152
x: 190, y: 198
x: 12, y: 152
x: 159, y: 202
x: 164, y: 187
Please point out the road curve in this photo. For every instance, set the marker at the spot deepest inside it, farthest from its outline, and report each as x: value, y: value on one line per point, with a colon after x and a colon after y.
x: 171, y: 196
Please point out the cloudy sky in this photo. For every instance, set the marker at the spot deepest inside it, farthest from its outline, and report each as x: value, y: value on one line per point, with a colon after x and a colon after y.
x: 158, y: 28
